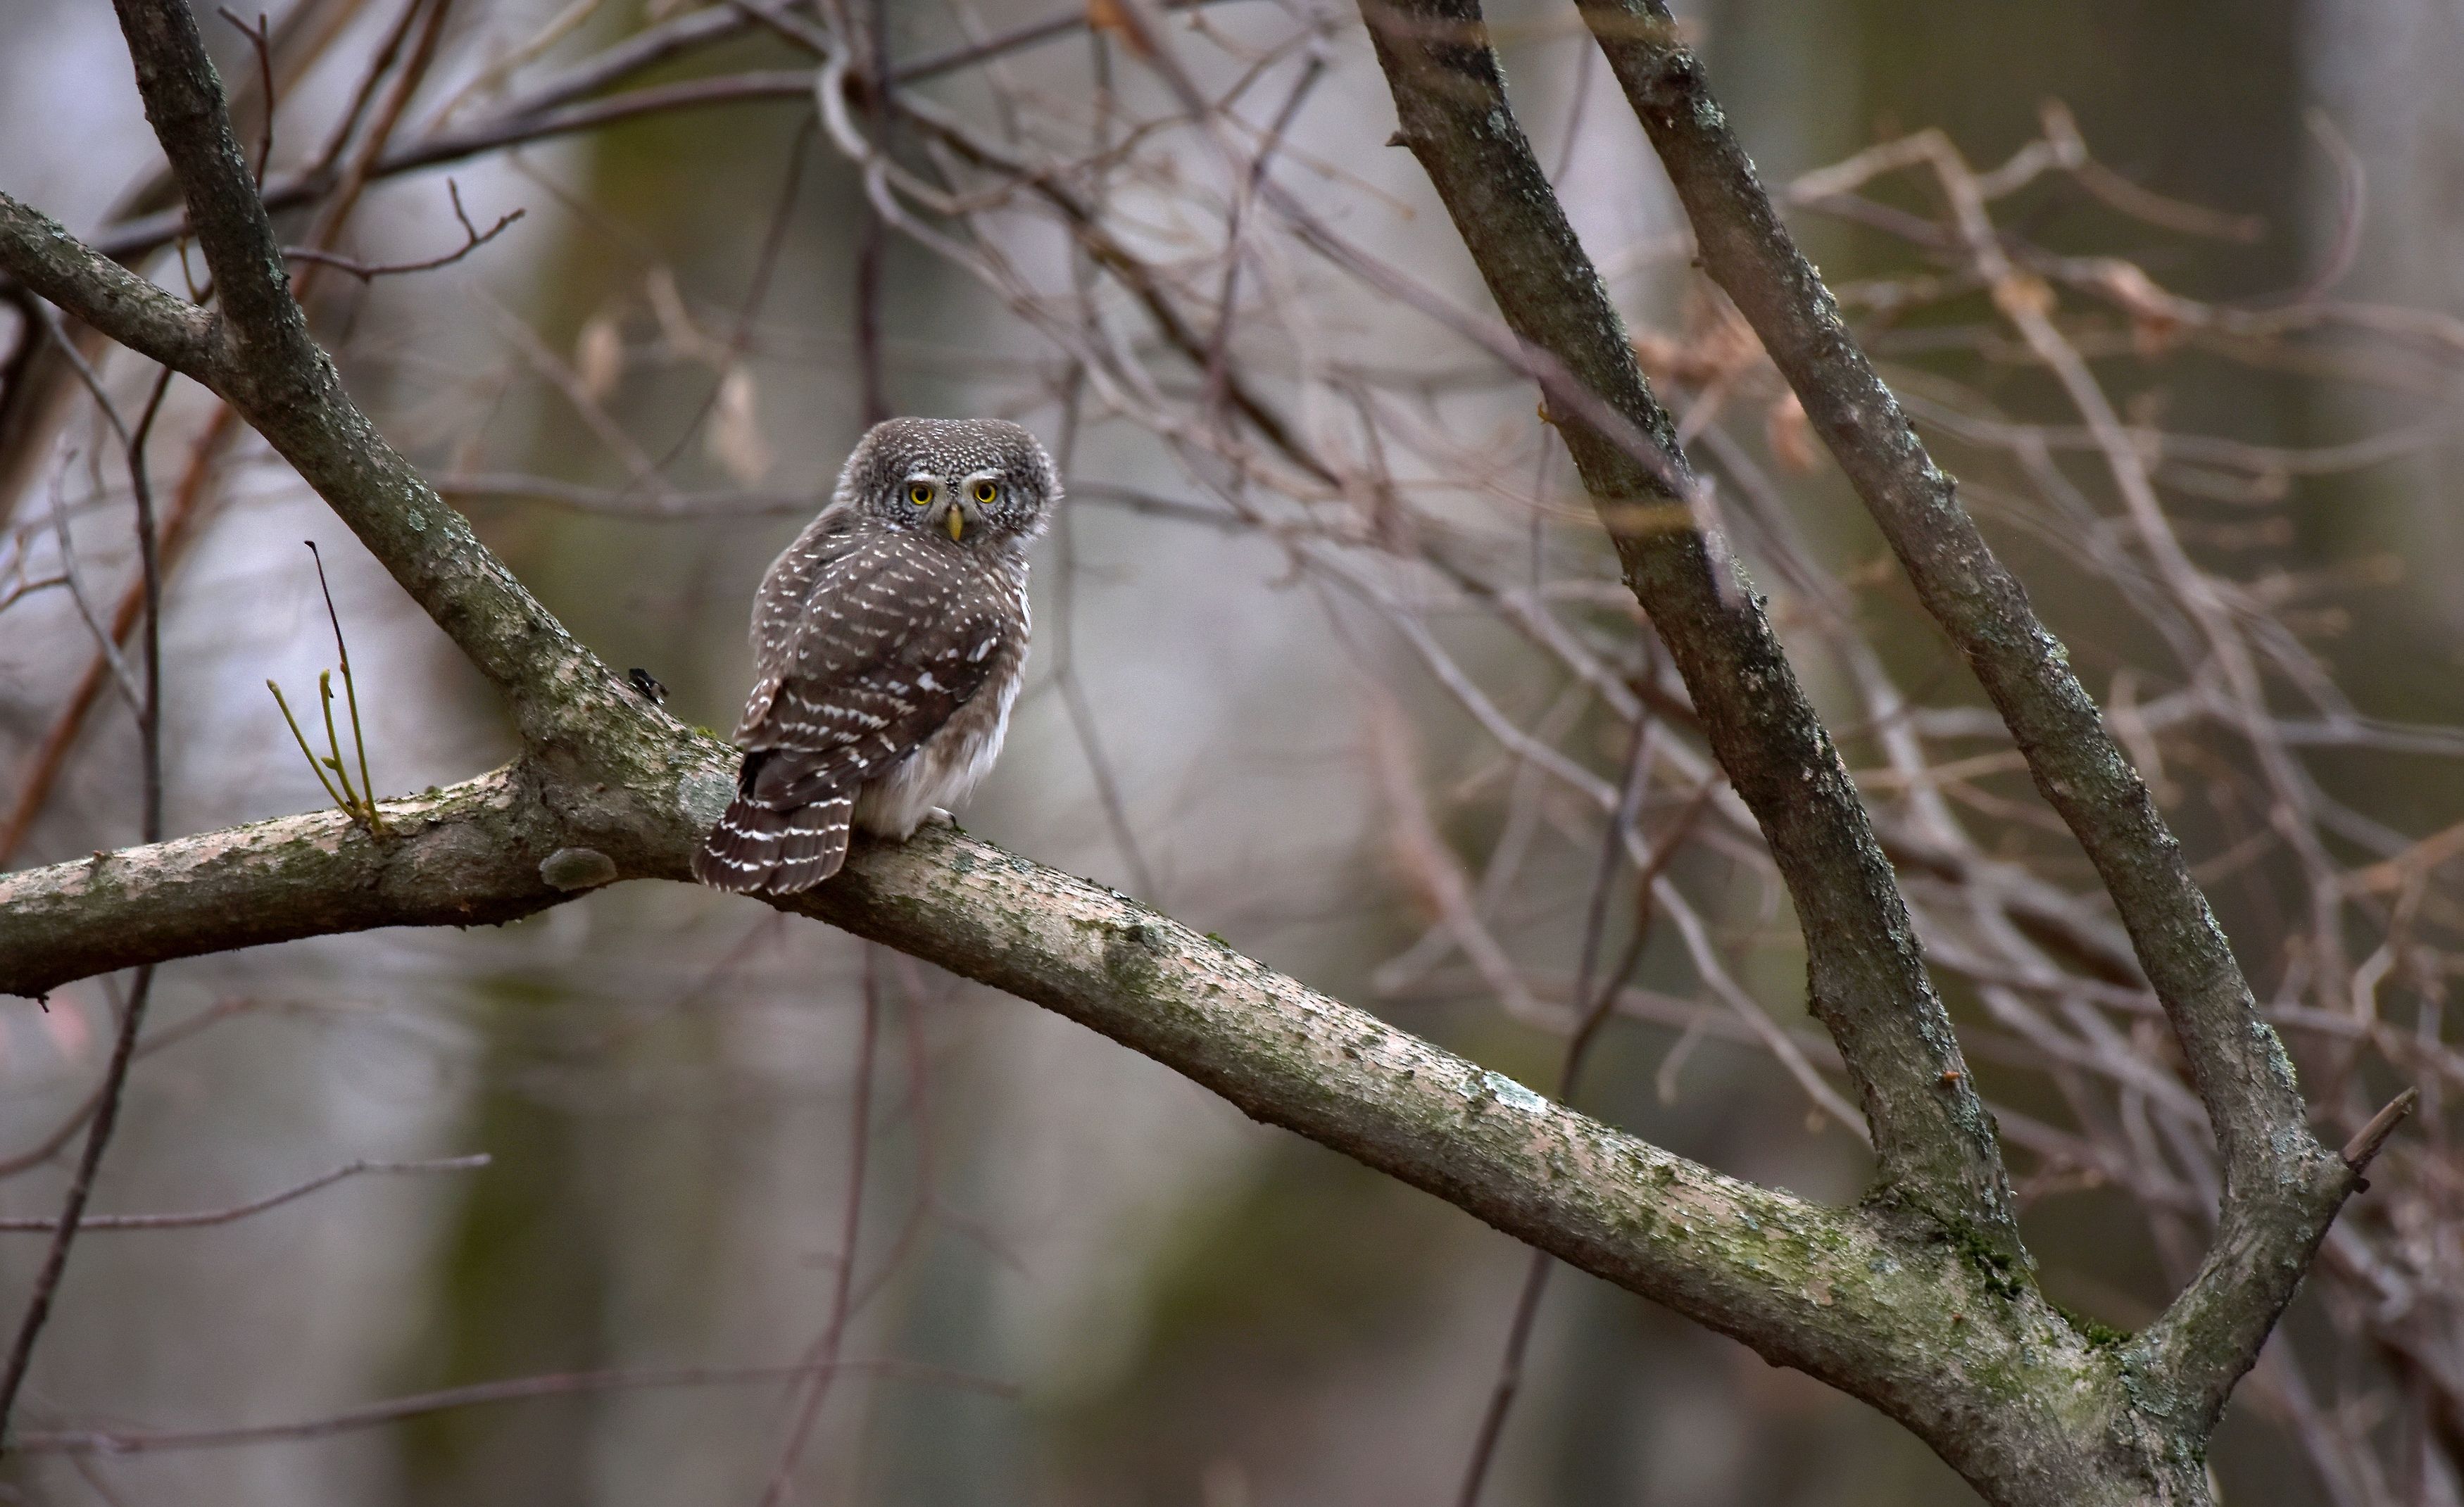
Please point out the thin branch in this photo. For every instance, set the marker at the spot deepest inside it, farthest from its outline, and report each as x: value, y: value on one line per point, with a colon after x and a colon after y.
x: 765, y: 265
x: 258, y: 37
x: 824, y: 1355
x: 61, y: 1134
x: 49, y: 755
x: 56, y: 1259
x: 550, y: 109
x: 872, y: 237
x: 27, y: 586
x: 132, y: 1021
x: 2364, y: 1148
x: 284, y: 387
x: 969, y: 54
x: 368, y: 272
x: 115, y: 1441
x: 204, y: 1218
x: 149, y: 564
x: 337, y: 209
x: 1595, y: 1005
x: 1064, y: 654
x: 106, y: 648
x: 623, y: 502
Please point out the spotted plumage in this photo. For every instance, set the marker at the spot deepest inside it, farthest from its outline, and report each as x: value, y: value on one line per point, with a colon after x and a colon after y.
x: 889, y: 640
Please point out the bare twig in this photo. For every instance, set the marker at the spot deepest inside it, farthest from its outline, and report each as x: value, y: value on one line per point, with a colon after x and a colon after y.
x: 1595, y: 1004
x: 473, y: 238
x: 105, y: 647
x: 1064, y: 671
x: 821, y: 1360
x: 97, y: 1136
x: 873, y: 238
x: 100, y: 1441
x: 2364, y: 1148
x: 238, y: 1211
x: 115, y: 1080
x: 774, y: 241
x: 258, y: 37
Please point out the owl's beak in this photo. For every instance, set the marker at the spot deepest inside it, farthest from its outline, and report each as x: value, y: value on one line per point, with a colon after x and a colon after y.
x: 958, y: 523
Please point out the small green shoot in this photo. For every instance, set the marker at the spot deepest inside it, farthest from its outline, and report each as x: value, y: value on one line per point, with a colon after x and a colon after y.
x: 358, y: 802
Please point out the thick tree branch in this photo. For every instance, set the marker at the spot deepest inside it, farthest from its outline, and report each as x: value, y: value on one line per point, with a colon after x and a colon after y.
x: 183, y: 103
x: 1841, y: 1293
x: 2282, y: 1187
x: 107, y: 295
x: 1865, y: 973
x: 463, y: 856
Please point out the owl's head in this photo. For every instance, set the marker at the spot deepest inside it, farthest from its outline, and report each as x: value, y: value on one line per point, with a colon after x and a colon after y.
x: 983, y: 483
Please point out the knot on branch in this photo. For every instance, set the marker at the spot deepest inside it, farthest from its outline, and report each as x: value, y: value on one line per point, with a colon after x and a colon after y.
x: 572, y: 868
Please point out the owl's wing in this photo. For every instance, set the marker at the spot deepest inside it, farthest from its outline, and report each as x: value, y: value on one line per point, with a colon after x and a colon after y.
x: 778, y: 607
x: 897, y: 637
x: 894, y: 637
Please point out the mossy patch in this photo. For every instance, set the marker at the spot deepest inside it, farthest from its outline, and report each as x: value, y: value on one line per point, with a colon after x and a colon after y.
x: 2096, y: 1332
x: 1999, y: 1271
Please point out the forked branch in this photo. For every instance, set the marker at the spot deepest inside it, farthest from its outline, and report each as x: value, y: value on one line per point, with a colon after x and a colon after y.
x: 2281, y: 1188
x: 1865, y: 974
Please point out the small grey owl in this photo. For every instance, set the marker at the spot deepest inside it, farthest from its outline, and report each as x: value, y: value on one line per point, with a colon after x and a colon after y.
x: 889, y: 638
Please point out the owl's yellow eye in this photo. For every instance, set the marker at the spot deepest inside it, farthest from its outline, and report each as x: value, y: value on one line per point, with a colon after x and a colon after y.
x: 986, y: 491
x: 920, y: 495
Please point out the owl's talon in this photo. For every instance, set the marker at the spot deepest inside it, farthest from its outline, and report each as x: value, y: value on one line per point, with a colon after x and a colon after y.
x: 938, y: 817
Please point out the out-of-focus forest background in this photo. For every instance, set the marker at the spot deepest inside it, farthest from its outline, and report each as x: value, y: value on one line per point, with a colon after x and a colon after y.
x: 1078, y: 1279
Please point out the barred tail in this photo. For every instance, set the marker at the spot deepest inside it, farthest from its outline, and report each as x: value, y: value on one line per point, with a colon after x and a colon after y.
x: 777, y: 846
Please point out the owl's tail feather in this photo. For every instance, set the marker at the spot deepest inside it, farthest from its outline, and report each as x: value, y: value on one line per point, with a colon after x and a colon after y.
x: 770, y: 843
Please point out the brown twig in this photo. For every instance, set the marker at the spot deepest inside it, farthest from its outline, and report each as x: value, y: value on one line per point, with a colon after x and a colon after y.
x: 97, y: 1441
x: 2364, y: 1148
x: 872, y: 236
x: 1065, y: 667
x: 1596, y: 1005
x: 42, y: 767
x: 821, y: 1360
x: 208, y: 1218
x: 368, y: 271
x: 258, y: 37
x: 123, y: 1050
x: 97, y: 1136
x: 765, y: 265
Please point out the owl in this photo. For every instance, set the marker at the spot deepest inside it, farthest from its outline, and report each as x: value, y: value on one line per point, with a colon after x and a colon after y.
x: 889, y: 640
